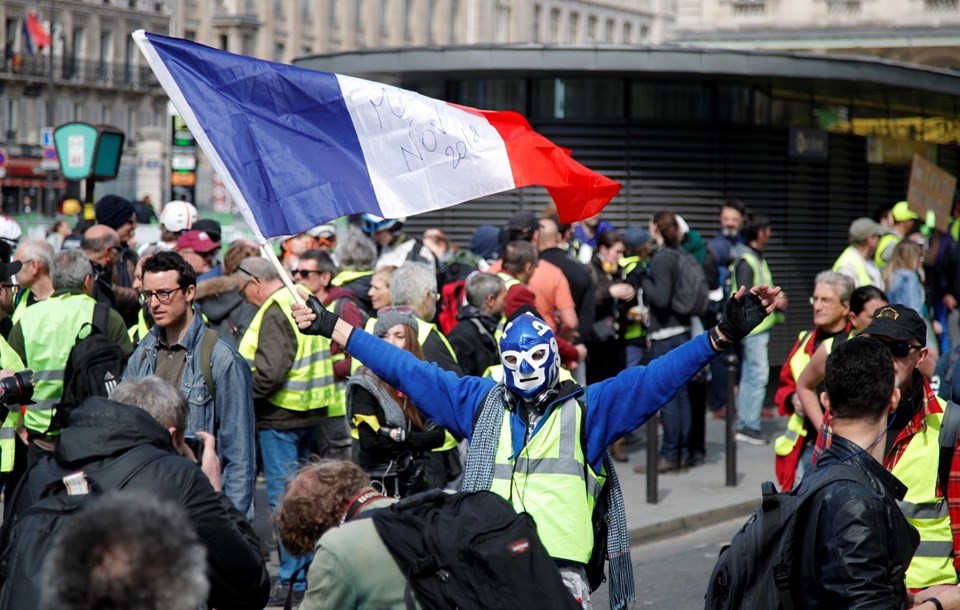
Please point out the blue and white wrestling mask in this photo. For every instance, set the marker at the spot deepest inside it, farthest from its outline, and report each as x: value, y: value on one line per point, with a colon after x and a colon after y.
x: 530, y: 356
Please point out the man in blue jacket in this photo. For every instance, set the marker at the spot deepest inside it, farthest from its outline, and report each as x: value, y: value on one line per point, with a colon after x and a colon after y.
x: 172, y: 351
x: 540, y: 443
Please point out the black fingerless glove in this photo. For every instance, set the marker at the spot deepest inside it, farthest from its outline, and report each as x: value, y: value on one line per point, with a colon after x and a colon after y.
x: 325, y: 321
x: 741, y: 316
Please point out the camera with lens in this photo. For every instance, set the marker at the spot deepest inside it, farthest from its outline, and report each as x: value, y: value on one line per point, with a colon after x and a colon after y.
x: 17, y: 389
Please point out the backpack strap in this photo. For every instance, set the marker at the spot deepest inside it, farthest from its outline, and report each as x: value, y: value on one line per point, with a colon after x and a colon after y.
x: 207, y: 344
x: 949, y: 429
x: 101, y: 317
x: 104, y: 480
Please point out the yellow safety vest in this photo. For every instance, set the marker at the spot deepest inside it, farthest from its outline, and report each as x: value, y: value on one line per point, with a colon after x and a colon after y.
x: 8, y: 432
x: 887, y: 240
x: 49, y: 333
x: 345, y: 277
x: 423, y: 333
x: 550, y: 479
x: 796, y: 431
x: 139, y: 330
x: 761, y: 275
x: 309, y: 382
x: 22, y: 297
x: 850, y: 257
x: 925, y: 508
x: 633, y: 330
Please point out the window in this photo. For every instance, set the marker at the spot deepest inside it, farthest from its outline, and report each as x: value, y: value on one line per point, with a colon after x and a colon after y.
x: 454, y: 20
x: 223, y: 42
x: 358, y: 16
x: 130, y: 61
x: 106, y: 114
x: 592, y: 28
x: 627, y: 36
x: 130, y: 125
x: 430, y: 10
x: 408, y: 20
x: 578, y: 98
x: 190, y: 34
x: 382, y: 17
x: 77, y: 111
x: 278, y: 52
x: 644, y: 33
x: 9, y: 118
x: 501, y: 28
x: 77, y: 47
x: 749, y: 8
x: 493, y: 93
x: 608, y: 31
x: 679, y: 102
x: 573, y: 28
x: 106, y: 55
x: 247, y: 45
x: 332, y: 16
x: 535, y: 26
x: 554, y: 26
x: 305, y: 12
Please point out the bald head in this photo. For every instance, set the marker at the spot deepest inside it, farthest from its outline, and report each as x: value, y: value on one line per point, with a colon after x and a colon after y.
x: 549, y: 234
x: 98, y: 244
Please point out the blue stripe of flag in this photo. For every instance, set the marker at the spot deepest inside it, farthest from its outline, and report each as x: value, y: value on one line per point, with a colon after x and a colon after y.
x: 283, y: 132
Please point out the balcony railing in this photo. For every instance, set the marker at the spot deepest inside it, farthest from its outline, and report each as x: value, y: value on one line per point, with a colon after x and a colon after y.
x: 941, y: 6
x: 80, y: 71
x: 843, y: 7
x: 749, y: 8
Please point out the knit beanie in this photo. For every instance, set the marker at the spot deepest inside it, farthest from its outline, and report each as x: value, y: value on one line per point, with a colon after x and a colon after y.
x: 388, y: 318
x: 113, y: 211
x: 485, y: 242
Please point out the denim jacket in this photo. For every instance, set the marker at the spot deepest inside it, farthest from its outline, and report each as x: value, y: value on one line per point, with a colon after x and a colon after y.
x: 229, y: 418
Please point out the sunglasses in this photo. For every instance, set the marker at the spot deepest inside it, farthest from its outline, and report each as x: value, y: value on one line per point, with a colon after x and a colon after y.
x: 304, y: 273
x: 899, y: 349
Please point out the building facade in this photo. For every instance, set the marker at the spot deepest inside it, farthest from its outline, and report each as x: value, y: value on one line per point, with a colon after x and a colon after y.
x: 916, y: 31
x: 94, y: 74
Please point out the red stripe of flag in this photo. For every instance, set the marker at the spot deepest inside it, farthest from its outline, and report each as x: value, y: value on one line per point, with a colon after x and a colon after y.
x: 578, y: 191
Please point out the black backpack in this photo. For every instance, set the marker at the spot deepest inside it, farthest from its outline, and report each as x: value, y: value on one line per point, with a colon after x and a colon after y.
x: 691, y: 293
x: 469, y: 551
x: 94, y: 366
x: 753, y: 571
x: 29, y: 536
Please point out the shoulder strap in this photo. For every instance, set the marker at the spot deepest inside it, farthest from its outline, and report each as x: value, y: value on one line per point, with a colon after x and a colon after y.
x: 207, y: 344
x: 101, y: 317
x: 949, y: 429
x: 952, y: 364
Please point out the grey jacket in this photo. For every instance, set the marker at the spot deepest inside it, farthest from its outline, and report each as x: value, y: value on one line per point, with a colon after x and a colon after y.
x: 229, y: 418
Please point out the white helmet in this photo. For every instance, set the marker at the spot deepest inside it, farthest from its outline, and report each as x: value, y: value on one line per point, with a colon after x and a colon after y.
x: 9, y: 229
x: 178, y: 216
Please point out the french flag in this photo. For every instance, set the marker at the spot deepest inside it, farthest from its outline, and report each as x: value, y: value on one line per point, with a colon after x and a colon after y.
x: 297, y: 148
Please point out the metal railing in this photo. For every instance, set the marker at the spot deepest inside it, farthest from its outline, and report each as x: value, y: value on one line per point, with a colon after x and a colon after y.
x: 941, y: 6
x: 80, y: 71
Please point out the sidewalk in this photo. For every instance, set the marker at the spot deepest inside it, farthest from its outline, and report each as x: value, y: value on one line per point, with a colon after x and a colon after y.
x: 697, y: 497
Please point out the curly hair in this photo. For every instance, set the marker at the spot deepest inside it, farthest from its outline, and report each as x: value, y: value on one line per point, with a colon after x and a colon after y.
x: 315, y: 501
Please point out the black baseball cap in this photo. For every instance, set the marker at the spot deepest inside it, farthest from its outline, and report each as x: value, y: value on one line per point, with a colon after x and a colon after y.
x: 8, y: 269
x: 522, y: 225
x: 211, y: 227
x: 898, y: 322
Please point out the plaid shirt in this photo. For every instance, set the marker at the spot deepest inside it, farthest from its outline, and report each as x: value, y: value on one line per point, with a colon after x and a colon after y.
x: 917, y: 423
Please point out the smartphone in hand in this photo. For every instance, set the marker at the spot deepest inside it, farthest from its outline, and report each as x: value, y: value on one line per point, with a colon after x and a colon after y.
x: 196, y: 446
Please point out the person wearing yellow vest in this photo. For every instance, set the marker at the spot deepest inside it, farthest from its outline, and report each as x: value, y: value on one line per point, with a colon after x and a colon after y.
x: 12, y: 452
x: 540, y: 443
x: 911, y: 450
x: 831, y: 307
x: 43, y: 340
x: 292, y: 390
x: 414, y: 285
x: 750, y: 268
x: 356, y: 255
x: 902, y: 220
x: 856, y: 262
x: 395, y: 437
x: 316, y: 269
x: 172, y: 350
x: 36, y: 256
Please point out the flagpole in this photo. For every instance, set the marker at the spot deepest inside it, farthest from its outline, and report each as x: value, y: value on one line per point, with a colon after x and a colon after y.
x: 271, y: 256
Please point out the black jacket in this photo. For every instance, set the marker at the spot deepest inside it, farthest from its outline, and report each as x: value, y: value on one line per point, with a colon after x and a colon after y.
x: 100, y: 431
x: 476, y: 349
x: 854, y: 543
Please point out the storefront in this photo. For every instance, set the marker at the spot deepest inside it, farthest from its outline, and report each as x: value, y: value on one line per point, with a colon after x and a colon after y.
x: 25, y: 184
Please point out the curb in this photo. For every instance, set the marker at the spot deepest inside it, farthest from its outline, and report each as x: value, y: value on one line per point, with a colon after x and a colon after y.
x: 690, y: 523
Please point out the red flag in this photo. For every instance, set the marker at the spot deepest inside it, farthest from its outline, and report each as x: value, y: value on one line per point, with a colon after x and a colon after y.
x: 39, y: 35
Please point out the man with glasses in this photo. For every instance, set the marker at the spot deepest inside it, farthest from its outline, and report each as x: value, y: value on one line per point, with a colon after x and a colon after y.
x: 316, y: 270
x: 43, y: 340
x: 912, y: 451
x: 831, y: 308
x: 35, y: 256
x: 292, y: 391
x: 175, y: 350
x: 102, y: 246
